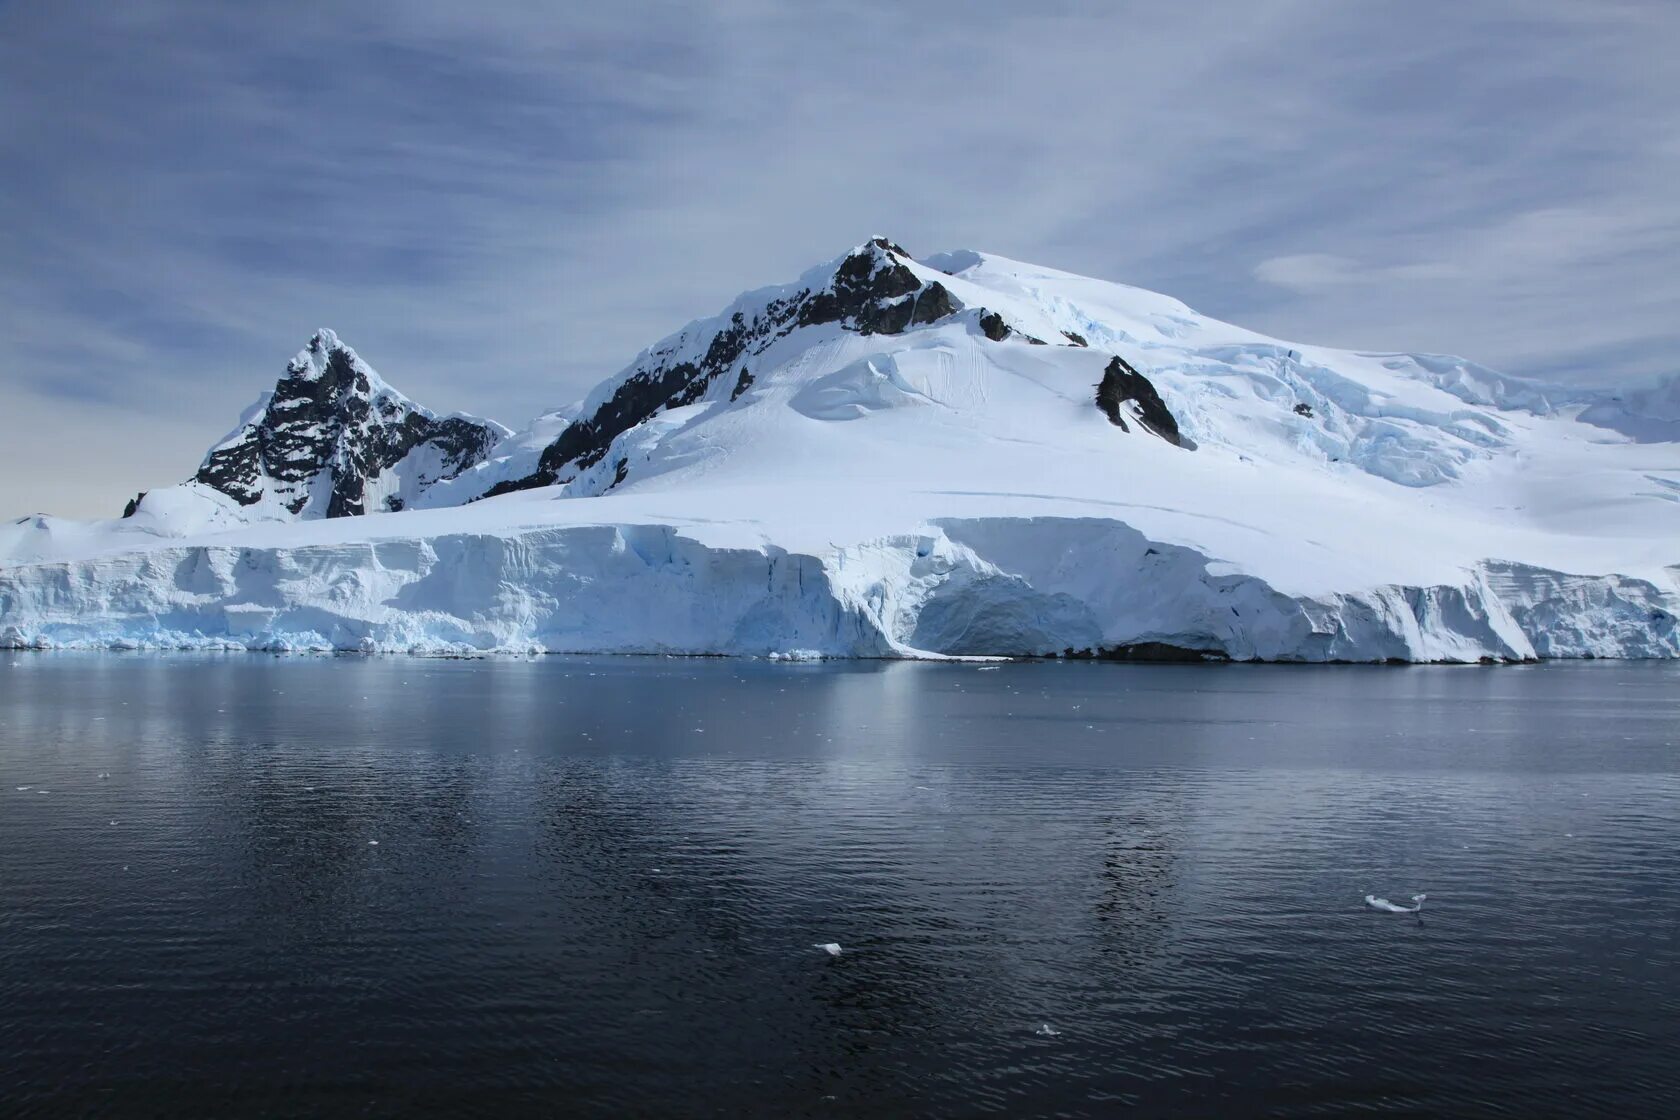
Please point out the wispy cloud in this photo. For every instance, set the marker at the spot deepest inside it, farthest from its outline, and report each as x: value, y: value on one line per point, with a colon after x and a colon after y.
x: 499, y: 204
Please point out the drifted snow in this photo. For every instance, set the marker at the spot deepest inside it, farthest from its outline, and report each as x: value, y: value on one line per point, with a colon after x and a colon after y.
x: 938, y: 493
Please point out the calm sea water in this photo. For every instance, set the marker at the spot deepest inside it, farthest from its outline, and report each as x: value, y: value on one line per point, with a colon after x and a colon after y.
x: 1061, y: 889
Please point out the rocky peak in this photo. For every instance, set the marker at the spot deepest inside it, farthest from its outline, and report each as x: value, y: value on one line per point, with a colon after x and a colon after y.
x: 871, y: 290
x: 311, y: 361
x: 874, y: 291
x: 334, y: 440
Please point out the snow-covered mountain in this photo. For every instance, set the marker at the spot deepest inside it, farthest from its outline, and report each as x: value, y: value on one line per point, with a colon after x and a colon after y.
x: 331, y: 439
x: 958, y: 455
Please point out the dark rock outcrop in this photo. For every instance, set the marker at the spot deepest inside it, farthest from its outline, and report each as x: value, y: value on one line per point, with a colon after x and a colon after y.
x: 1075, y: 337
x: 993, y: 326
x: 1121, y: 386
x: 332, y: 426
x: 867, y: 292
x: 872, y: 291
x: 742, y: 384
x: 932, y: 304
x: 1304, y: 409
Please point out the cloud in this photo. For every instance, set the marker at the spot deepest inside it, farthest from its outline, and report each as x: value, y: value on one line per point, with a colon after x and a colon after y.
x: 1316, y: 273
x: 499, y: 205
x: 1570, y: 293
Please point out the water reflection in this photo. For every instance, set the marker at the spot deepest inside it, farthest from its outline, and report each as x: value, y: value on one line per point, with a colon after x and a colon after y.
x: 598, y: 884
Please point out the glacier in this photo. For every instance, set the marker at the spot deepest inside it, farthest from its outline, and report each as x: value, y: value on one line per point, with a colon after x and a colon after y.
x: 894, y: 457
x: 961, y: 587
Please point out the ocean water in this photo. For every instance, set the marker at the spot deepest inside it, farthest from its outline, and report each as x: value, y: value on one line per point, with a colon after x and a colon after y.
x: 303, y: 886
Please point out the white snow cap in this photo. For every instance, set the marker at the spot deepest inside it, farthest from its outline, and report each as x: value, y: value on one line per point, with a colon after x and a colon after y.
x: 311, y: 362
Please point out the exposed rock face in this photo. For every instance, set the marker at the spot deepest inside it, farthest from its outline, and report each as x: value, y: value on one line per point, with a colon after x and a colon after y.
x: 742, y: 384
x: 1123, y: 386
x: 325, y: 442
x: 872, y: 291
x: 996, y: 328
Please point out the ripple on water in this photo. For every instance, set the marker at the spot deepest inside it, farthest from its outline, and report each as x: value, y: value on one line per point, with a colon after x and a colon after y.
x: 549, y: 922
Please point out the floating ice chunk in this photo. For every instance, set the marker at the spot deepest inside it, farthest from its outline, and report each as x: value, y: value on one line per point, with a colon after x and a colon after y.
x: 1376, y: 903
x: 104, y: 774
x: 373, y: 843
x: 832, y: 948
x: 1045, y: 1030
x: 25, y: 789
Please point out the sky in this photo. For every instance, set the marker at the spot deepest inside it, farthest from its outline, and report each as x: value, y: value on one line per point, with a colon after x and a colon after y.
x: 498, y: 204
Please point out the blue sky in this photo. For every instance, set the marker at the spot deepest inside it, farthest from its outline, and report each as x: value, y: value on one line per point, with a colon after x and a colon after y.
x: 498, y: 204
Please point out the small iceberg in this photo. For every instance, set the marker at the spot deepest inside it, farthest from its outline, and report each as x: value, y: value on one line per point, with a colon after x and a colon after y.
x: 1045, y: 1030
x: 832, y: 948
x: 1384, y: 904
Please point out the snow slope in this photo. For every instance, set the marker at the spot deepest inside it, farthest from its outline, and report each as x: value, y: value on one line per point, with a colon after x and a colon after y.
x: 901, y: 458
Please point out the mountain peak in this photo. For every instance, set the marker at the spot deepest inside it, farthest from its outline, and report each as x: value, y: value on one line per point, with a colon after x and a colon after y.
x: 874, y: 255
x: 319, y: 355
x: 332, y: 439
x: 876, y: 288
x: 884, y: 244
